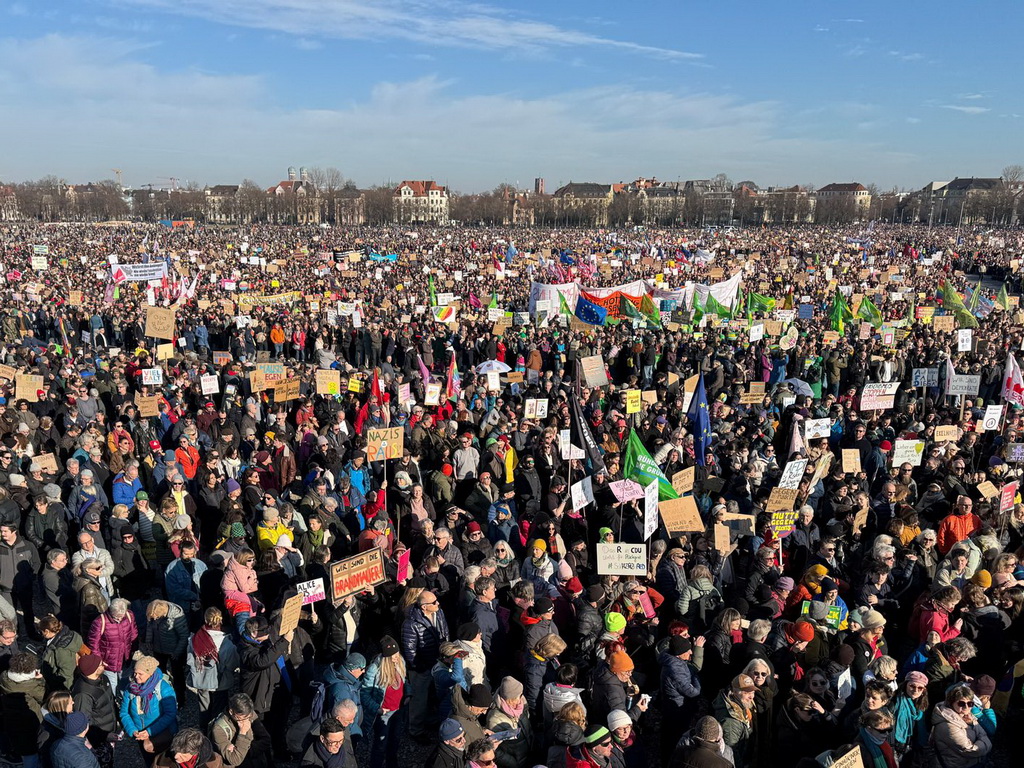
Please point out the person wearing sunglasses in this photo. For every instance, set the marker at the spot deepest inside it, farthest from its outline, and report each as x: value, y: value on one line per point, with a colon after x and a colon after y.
x: 480, y: 754
x: 875, y: 739
x: 957, y: 736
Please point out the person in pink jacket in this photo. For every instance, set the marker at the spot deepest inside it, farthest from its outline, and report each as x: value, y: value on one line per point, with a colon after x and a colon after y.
x: 934, y: 616
x: 112, y: 638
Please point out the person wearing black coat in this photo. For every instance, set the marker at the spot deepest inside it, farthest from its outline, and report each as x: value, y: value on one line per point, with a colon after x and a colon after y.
x: 589, y: 624
x: 95, y: 699
x: 335, y: 640
x: 261, y: 676
x: 132, y: 574
x: 801, y: 730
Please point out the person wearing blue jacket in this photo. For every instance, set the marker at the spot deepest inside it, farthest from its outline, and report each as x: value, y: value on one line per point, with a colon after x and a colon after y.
x: 71, y: 751
x: 149, y: 710
x: 344, y: 681
x: 680, y: 687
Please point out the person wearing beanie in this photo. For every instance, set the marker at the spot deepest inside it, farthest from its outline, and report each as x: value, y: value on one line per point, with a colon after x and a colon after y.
x: 469, y: 708
x: 589, y: 623
x: 626, y: 747
x: 469, y: 639
x: 868, y: 642
x: 680, y: 689
x: 95, y: 699
x: 538, y: 621
x: 612, y: 687
x: 829, y: 597
x: 191, y: 747
x: 908, y: 707
x: 149, y: 708
x: 934, y: 616
x: 538, y: 567
x: 451, y: 747
x: 734, y: 710
x: 511, y: 711
x: 344, y: 681
x: 786, y: 660
x: 594, y: 752
x: 71, y: 751
x: 984, y: 687
x: 704, y: 748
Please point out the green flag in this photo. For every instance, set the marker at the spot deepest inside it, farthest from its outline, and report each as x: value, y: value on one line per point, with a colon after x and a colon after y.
x: 756, y: 302
x: 563, y: 305
x: 494, y: 300
x: 1003, y: 299
x: 953, y: 303
x: 638, y: 466
x: 840, y: 313
x: 712, y: 305
x: 432, y: 291
x: 975, y: 299
x: 628, y: 310
x: 869, y: 312
x: 650, y: 310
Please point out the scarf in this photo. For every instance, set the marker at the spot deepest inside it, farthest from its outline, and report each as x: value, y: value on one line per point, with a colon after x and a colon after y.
x: 539, y: 562
x: 316, y: 538
x: 326, y: 758
x: 145, y: 692
x: 179, y: 499
x: 878, y: 749
x: 204, y: 649
x: 514, y: 712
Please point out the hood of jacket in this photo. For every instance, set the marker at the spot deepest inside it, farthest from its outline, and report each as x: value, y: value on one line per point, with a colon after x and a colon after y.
x: 567, y: 734
x: 18, y: 682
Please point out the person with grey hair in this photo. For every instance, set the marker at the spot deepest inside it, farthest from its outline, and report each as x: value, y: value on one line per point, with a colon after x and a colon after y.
x: 90, y: 551
x: 239, y: 736
x: 189, y: 747
x: 943, y: 665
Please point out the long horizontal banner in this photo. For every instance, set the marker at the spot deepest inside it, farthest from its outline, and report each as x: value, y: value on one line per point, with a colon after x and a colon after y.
x: 262, y: 300
x: 138, y: 273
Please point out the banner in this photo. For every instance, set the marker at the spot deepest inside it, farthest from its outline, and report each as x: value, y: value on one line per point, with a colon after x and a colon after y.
x: 355, y: 574
x: 263, y: 300
x: 138, y: 273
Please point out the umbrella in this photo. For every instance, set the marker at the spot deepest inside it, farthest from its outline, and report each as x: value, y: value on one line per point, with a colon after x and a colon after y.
x: 493, y: 366
x: 800, y: 387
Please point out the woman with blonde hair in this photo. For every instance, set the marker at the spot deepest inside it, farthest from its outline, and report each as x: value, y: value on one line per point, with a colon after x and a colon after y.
x: 566, y: 731
x: 539, y: 666
x: 382, y: 692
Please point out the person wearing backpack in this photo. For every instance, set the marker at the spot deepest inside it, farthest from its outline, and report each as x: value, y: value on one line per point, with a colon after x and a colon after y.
x: 700, y: 601
x: 239, y: 736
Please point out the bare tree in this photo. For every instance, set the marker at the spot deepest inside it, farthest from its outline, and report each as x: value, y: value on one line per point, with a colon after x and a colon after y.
x: 1013, y: 174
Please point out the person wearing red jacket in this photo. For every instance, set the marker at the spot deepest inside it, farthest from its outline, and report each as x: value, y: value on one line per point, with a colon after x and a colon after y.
x: 933, y: 616
x: 959, y: 525
x: 188, y: 457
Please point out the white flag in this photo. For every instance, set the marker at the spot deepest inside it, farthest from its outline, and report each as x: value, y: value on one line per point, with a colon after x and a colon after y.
x: 1013, y: 381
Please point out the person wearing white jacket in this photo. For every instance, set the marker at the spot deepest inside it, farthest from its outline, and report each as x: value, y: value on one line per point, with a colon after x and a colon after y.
x: 958, y: 738
x: 212, y: 666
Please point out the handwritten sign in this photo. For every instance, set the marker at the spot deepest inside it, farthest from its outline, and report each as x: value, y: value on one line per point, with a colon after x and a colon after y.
x: 621, y: 559
x: 908, y: 452
x: 328, y: 382
x: 311, y: 591
x: 950, y: 432
x: 149, y: 406
x: 681, y: 515
x: 48, y: 462
x: 878, y: 397
x: 964, y: 384
x: 851, y: 461
x: 682, y: 481
x: 594, y: 373
x: 291, y: 612
x: 781, y: 499
x: 27, y: 387
x: 382, y: 444
x: 626, y: 490
x: 159, y: 323
x: 793, y: 473
x: 356, y: 574
x: 287, y: 390
x: 632, y: 401
x: 988, y: 490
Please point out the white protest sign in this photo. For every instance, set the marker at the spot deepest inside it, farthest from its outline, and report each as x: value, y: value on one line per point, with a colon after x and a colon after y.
x: 650, y: 510
x: 878, y: 397
x: 908, y: 452
x: 792, y: 474
x: 815, y: 428
x: 210, y: 383
x: 621, y: 559
x: 152, y: 376
x: 925, y: 377
x: 757, y: 332
x: 965, y: 384
x: 964, y: 339
x: 993, y: 415
x: 311, y: 591
x: 581, y: 493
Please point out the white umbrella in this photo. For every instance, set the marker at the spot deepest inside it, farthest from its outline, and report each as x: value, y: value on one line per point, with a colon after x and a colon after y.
x: 493, y: 366
x: 800, y: 387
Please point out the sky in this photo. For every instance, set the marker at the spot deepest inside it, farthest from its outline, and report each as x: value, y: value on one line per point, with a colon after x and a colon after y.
x: 476, y: 94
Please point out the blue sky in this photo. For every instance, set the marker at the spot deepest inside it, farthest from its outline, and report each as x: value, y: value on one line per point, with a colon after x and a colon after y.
x: 474, y: 94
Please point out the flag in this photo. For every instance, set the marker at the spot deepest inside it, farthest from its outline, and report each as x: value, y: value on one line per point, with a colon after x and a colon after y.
x: 628, y: 310
x: 756, y: 302
x: 454, y: 388
x: 953, y: 303
x: 510, y: 254
x: 589, y: 312
x: 493, y: 303
x: 788, y: 301
x: 444, y: 314
x: 975, y: 298
x: 700, y: 421
x: 1003, y: 299
x: 950, y: 373
x: 511, y: 462
x: 474, y: 302
x: 713, y: 306
x: 563, y: 305
x: 638, y: 466
x: 650, y: 310
x: 581, y: 436
x: 424, y: 371
x: 869, y: 312
x: 432, y: 291
x: 840, y: 313
x: 1013, y: 381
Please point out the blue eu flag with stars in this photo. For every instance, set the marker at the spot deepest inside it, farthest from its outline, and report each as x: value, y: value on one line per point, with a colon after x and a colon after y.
x: 589, y: 312
x: 700, y: 421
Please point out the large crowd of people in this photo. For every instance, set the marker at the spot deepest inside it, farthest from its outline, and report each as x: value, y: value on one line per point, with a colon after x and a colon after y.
x: 164, y: 498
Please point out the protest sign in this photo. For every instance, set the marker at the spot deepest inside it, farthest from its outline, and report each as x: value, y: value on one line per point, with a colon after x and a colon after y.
x: 793, y: 473
x: 403, y: 570
x: 988, y: 490
x: 7, y: 372
x: 581, y: 493
x: 159, y: 323
x: 1007, y: 496
x: 851, y: 460
x: 621, y: 559
x: 48, y: 462
x: 164, y: 351
x: 682, y: 481
x: 878, y: 397
x: 328, y: 382
x: 925, y: 377
x: 27, y: 387
x: 355, y: 574
x: 384, y: 444
x: 632, y: 401
x: 851, y: 759
x: 153, y: 376
x: 738, y: 523
x: 287, y: 390
x: 993, y: 415
x: 290, y: 613
x: 594, y: 373
x: 964, y: 384
x: 949, y: 432
x: 944, y: 323
x: 433, y: 394
x: 964, y: 339
x: 817, y: 428
x: 1015, y: 452
x: 781, y: 499
x: 722, y: 539
x: 908, y: 452
x: 312, y: 590
x: 148, y: 406
x: 681, y: 515
x: 209, y: 383
x: 626, y: 490
x: 650, y: 509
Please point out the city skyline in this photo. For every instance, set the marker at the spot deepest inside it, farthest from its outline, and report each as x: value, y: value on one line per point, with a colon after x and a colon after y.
x: 474, y: 95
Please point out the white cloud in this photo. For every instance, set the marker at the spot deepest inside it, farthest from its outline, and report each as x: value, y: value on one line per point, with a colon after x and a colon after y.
x: 95, y: 106
x: 966, y: 110
x: 450, y: 23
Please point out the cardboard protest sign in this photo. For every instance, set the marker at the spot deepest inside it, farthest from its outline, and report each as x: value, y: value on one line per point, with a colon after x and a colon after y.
x: 988, y: 490
x: 27, y: 387
x: 950, y: 432
x: 851, y: 759
x: 781, y: 499
x: 355, y: 574
x: 7, y: 372
x: 722, y: 539
x: 681, y: 515
x: 164, y: 351
x: 382, y: 444
x: 433, y: 394
x: 149, y: 407
x: 944, y: 323
x: 594, y: 373
x: 328, y: 382
x: 286, y: 390
x: 740, y: 524
x: 682, y: 481
x: 48, y: 462
x: 159, y: 323
x: 290, y: 613
x: 851, y: 460
x: 621, y: 559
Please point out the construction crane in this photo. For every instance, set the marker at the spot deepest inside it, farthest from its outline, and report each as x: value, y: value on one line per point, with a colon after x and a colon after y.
x: 173, y: 180
x: 117, y: 172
